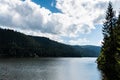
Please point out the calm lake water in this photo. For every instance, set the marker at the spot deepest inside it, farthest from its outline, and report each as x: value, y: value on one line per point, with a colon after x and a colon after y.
x: 49, y: 69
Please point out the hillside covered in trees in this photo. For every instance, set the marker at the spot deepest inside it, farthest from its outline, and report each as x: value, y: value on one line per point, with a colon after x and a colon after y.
x: 15, y: 44
x: 109, y: 59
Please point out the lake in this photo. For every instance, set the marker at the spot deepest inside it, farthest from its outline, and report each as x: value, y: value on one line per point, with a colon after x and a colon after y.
x: 49, y: 69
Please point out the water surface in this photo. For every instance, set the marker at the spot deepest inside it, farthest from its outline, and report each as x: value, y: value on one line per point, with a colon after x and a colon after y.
x: 49, y: 69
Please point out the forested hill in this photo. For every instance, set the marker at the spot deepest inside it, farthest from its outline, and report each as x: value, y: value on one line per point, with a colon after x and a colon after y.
x: 15, y: 44
x: 88, y: 50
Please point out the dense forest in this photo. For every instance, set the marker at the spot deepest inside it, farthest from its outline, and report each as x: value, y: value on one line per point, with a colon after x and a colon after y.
x: 109, y: 59
x: 16, y: 44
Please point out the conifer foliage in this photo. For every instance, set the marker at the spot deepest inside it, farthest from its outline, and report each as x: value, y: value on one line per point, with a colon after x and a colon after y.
x: 109, y: 36
x: 109, y: 61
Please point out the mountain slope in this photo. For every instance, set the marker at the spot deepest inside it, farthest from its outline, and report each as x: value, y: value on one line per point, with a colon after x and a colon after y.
x: 88, y: 50
x: 15, y: 44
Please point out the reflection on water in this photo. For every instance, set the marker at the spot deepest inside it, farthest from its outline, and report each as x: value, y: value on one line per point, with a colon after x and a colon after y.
x: 49, y: 69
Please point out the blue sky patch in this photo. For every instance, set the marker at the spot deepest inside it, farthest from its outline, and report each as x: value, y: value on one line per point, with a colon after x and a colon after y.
x: 49, y: 4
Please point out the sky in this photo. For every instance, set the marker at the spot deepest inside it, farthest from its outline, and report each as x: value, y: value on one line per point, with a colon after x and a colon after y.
x: 74, y: 22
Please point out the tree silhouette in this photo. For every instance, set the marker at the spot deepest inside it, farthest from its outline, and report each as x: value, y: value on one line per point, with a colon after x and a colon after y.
x: 108, y: 61
x: 108, y: 48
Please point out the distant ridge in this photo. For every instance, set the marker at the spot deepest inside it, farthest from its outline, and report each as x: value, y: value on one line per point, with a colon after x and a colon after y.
x: 16, y: 44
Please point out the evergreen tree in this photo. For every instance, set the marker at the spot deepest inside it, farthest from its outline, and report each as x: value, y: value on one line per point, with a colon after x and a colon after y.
x: 117, y: 34
x: 109, y: 59
x: 109, y: 46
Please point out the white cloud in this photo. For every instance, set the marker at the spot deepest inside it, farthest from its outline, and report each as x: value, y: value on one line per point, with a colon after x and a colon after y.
x: 100, y: 43
x: 76, y: 17
x: 79, y: 42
